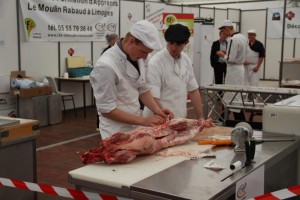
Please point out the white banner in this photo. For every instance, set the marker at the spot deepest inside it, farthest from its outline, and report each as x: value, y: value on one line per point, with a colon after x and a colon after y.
x: 154, y: 13
x: 275, y: 22
x: 69, y: 20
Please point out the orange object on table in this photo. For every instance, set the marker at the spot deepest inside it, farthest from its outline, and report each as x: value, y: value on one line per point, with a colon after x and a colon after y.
x: 215, y: 142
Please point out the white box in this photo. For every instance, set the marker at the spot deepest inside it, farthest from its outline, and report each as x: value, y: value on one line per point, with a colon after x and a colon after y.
x: 281, y: 119
x: 4, y: 83
x: 7, y: 101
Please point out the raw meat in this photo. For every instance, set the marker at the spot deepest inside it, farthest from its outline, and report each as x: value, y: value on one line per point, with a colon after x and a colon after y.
x: 124, y: 147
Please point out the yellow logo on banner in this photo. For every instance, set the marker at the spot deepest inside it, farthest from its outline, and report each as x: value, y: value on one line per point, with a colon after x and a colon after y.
x: 170, y: 19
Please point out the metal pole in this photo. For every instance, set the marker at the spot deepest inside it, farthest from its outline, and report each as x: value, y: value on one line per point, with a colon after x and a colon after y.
x: 266, y: 24
x: 19, y: 37
x: 282, y: 43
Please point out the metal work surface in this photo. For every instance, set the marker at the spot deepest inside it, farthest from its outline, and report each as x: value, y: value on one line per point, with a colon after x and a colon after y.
x: 261, y: 96
x: 190, y: 180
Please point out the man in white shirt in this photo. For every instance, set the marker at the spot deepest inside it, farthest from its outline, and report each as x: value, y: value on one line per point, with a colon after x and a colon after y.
x: 171, y: 76
x: 118, y: 81
x: 254, y: 58
x: 234, y: 57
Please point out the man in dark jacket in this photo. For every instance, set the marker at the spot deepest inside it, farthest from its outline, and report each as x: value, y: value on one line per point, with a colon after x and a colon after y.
x: 218, y: 63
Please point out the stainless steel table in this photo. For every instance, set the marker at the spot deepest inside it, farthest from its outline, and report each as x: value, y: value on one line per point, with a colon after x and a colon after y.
x: 262, y: 95
x: 190, y: 180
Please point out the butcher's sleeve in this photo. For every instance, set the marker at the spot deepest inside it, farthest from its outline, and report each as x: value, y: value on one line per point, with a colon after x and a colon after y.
x: 153, y: 77
x: 103, y: 80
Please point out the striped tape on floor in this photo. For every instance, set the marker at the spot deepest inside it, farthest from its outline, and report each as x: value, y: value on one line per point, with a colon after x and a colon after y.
x: 280, y: 194
x: 82, y: 195
x: 57, y: 191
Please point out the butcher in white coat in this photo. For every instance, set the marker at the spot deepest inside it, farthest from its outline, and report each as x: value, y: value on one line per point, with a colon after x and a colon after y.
x: 118, y: 82
x: 171, y: 75
x: 254, y: 58
x: 234, y: 57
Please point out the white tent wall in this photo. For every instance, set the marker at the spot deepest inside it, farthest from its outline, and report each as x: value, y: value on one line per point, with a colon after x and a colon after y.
x: 257, y: 19
x: 49, y: 58
x: 249, y: 21
x: 247, y: 6
x: 297, y: 48
x: 194, y: 10
x: 135, y: 9
x: 9, y: 60
x: 173, y: 9
x: 220, y: 15
x: 207, y: 13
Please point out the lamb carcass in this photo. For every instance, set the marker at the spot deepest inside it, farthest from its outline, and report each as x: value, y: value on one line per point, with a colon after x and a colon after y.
x: 124, y: 147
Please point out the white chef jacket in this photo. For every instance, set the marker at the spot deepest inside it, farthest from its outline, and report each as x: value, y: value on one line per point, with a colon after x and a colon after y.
x: 170, y: 81
x: 236, y: 53
x: 116, y: 83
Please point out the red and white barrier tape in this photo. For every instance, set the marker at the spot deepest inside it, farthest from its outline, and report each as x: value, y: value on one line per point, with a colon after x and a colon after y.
x: 82, y: 195
x: 57, y: 191
x: 280, y: 194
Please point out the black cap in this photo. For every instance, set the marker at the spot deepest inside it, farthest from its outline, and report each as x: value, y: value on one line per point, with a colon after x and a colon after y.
x: 177, y: 33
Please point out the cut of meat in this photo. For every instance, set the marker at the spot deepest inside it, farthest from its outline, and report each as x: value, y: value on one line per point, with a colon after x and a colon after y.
x: 124, y: 147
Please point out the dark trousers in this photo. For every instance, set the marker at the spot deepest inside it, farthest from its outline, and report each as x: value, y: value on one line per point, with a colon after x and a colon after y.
x: 239, y: 116
x: 220, y: 73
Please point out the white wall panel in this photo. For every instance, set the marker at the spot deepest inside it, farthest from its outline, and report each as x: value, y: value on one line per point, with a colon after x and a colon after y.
x: 234, y: 15
x: 273, y: 56
x: 39, y: 59
x: 42, y: 58
x: 131, y: 12
x: 9, y: 37
x: 220, y: 15
x: 97, y: 50
x: 249, y: 21
x: 207, y: 13
x: 192, y: 10
x: 173, y: 9
x: 297, y: 49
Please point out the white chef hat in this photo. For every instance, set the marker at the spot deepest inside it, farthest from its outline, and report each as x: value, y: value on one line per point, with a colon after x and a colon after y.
x: 252, y: 31
x: 226, y: 22
x: 147, y: 33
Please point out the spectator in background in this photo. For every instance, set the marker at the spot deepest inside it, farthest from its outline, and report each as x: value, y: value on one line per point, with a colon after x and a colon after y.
x: 254, y: 58
x: 218, y: 63
x: 234, y: 57
x: 110, y: 40
x: 171, y: 76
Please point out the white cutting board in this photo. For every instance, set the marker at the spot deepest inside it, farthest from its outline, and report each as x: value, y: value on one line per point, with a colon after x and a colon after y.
x: 118, y: 175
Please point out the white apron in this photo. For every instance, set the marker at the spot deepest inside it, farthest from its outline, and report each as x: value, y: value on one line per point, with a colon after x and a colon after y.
x: 251, y: 78
x: 127, y: 98
x: 175, y: 101
x: 234, y: 76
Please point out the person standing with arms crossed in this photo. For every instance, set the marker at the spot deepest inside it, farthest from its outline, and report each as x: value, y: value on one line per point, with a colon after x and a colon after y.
x: 171, y: 76
x: 254, y: 58
x: 234, y: 57
x: 118, y: 81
